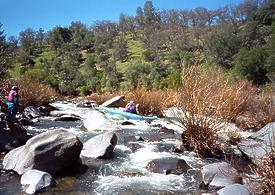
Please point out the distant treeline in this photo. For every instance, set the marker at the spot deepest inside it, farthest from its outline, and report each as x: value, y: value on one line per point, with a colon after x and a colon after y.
x: 149, y: 49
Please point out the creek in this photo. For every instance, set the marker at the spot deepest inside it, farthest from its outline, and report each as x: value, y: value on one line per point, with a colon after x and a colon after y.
x: 125, y: 172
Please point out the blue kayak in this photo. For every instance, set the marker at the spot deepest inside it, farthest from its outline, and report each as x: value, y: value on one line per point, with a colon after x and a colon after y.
x: 116, y: 111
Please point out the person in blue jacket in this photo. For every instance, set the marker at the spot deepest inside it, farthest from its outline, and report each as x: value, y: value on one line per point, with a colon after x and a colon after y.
x: 132, y: 108
x: 13, y: 101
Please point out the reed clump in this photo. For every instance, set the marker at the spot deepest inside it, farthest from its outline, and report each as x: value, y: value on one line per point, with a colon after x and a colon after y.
x: 206, y: 100
x: 35, y: 93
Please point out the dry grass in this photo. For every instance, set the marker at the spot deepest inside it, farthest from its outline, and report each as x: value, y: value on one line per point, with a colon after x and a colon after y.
x: 232, y: 98
x: 151, y: 102
x: 266, y: 172
x: 32, y: 92
x: 234, y: 137
x: 196, y: 109
x: 207, y: 98
x: 258, y: 111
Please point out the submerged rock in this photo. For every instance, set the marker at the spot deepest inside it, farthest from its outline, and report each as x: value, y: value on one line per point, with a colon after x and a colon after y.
x: 53, y: 152
x: 12, y: 134
x: 100, y: 146
x: 87, y: 104
x: 220, y: 175
x: 25, y: 121
x: 234, y: 189
x: 36, y: 181
x: 168, y: 166
x: 67, y: 117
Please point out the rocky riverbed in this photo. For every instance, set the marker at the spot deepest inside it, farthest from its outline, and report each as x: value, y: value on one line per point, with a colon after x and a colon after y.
x: 87, y: 151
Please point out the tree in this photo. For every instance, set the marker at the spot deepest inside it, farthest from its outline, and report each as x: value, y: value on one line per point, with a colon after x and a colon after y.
x: 151, y: 17
x: 270, y: 65
x: 251, y: 65
x: 223, y: 43
x: 122, y: 23
x: 58, y: 37
x: 140, y: 18
x: 80, y: 35
x: 137, y: 74
x: 120, y: 49
x: 69, y: 76
x: 89, y: 73
x: 27, y: 40
x: 3, y: 54
x: 40, y: 38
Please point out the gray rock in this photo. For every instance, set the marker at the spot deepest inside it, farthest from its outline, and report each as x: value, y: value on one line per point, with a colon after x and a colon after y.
x: 36, y: 181
x: 67, y: 117
x: 220, y: 174
x: 25, y: 121
x: 258, y: 144
x: 12, y: 134
x: 234, y: 189
x: 97, y: 121
x: 114, y: 102
x: 168, y: 166
x: 87, y: 104
x: 31, y: 112
x: 100, y: 146
x: 53, y: 152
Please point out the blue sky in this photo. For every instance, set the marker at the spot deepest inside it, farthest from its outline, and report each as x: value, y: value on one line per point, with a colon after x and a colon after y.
x: 17, y: 15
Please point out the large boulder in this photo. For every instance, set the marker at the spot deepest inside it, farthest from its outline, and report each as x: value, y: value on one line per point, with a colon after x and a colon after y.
x: 168, y: 166
x: 259, y: 143
x: 36, y: 181
x: 53, y: 152
x: 12, y: 134
x: 100, y: 146
x: 220, y: 175
x: 97, y: 121
x: 234, y: 189
x: 117, y: 101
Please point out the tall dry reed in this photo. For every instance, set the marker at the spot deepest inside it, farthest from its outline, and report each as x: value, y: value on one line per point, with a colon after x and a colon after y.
x: 207, y: 99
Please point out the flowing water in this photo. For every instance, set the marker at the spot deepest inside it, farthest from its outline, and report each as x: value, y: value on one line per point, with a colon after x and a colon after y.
x: 125, y: 173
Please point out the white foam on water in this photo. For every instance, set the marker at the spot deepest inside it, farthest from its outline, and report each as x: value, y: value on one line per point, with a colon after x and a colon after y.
x: 74, y: 130
x: 153, y: 181
x: 139, y: 126
x: 123, y: 148
x: 69, y: 108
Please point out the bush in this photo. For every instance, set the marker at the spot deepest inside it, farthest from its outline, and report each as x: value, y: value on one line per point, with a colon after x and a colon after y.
x: 258, y: 111
x: 266, y: 173
x: 33, y: 92
x: 205, y: 100
x: 151, y: 102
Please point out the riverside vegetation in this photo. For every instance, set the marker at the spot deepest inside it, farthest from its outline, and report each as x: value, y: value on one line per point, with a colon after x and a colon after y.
x: 214, y: 66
